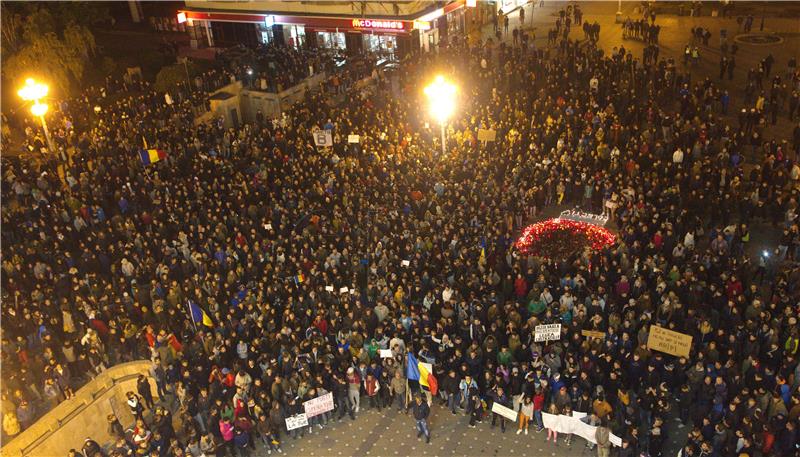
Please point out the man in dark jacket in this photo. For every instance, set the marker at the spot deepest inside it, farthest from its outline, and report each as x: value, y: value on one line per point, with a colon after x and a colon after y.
x: 499, y: 396
x: 450, y: 387
x: 143, y: 387
x: 421, y: 413
x: 786, y: 440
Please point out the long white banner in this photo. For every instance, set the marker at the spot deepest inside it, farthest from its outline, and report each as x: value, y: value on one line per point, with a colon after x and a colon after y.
x: 575, y: 426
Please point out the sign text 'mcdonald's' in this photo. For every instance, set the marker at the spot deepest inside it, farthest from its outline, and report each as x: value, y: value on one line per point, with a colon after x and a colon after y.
x: 377, y: 24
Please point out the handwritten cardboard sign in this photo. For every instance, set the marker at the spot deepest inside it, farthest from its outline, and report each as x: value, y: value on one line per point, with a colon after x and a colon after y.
x: 548, y: 332
x: 319, y: 405
x: 487, y: 134
x: 593, y: 334
x: 669, y: 341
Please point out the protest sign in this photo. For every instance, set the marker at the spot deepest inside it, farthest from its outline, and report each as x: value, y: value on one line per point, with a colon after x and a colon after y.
x: 508, y: 413
x: 319, y: 405
x: 487, y: 134
x: 329, y: 288
x: 405, y: 263
x: 351, y: 139
x: 386, y: 353
x: 296, y: 421
x: 669, y: 341
x: 593, y: 334
x: 323, y: 138
x: 615, y: 440
x: 547, y: 332
x: 343, y: 290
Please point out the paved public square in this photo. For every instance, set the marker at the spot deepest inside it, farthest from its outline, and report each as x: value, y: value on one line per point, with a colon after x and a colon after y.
x: 388, y: 432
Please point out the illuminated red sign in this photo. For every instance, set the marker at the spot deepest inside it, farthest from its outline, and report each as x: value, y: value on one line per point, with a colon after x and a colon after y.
x: 377, y: 24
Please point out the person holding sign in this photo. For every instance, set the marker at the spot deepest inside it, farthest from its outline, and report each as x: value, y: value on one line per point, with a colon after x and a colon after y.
x: 499, y: 396
x: 553, y: 409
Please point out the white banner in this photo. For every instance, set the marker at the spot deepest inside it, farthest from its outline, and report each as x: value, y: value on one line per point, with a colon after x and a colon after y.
x: 573, y: 425
x: 319, y: 405
x: 548, y: 332
x: 323, y: 138
x: 583, y: 430
x: 555, y: 422
x: 296, y: 421
x: 386, y: 353
x: 508, y: 413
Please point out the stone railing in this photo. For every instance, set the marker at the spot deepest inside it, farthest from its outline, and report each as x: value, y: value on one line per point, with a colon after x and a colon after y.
x: 85, y: 415
x: 246, y: 102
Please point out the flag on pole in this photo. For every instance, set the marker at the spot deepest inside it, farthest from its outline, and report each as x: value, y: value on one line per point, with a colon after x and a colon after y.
x: 422, y: 372
x: 199, y: 316
x: 151, y: 156
x: 299, y: 278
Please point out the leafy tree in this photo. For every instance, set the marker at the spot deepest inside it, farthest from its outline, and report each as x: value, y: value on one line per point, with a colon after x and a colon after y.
x: 51, y: 41
x: 170, y: 76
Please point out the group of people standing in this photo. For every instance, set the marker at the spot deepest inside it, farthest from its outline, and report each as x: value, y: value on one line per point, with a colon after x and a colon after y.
x: 311, y: 261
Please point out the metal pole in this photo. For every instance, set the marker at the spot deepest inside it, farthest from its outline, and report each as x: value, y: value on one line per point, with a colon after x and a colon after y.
x: 50, y: 140
x: 444, y: 146
x: 186, y: 68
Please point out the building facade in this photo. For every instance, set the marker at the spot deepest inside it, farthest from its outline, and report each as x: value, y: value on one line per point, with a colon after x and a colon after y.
x: 390, y: 28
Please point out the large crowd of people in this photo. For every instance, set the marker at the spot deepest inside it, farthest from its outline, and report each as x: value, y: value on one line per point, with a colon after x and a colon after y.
x: 275, y: 68
x: 263, y: 231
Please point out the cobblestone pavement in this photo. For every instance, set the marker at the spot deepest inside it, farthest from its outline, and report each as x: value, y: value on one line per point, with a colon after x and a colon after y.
x: 389, y: 432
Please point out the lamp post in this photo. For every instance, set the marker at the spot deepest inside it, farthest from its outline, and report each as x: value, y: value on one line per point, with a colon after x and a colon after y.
x: 442, y: 97
x: 34, y: 92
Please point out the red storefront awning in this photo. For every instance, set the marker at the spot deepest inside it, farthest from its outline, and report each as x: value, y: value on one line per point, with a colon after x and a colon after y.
x: 345, y: 24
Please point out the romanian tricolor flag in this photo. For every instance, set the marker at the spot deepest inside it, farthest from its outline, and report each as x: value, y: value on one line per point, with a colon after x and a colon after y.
x: 299, y: 278
x: 150, y: 156
x: 198, y: 315
x: 422, y: 372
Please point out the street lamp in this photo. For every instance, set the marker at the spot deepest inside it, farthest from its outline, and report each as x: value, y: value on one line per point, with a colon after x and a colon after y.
x: 442, y: 97
x: 34, y: 92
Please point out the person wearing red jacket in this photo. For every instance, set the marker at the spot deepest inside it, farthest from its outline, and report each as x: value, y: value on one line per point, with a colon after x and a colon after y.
x: 538, y: 405
x: 520, y: 287
x: 372, y: 386
x: 354, y: 388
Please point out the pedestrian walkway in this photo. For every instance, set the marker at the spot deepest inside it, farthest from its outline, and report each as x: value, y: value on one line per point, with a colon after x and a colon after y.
x: 675, y: 34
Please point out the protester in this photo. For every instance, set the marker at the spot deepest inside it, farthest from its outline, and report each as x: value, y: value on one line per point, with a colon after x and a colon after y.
x: 262, y: 232
x: 421, y: 413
